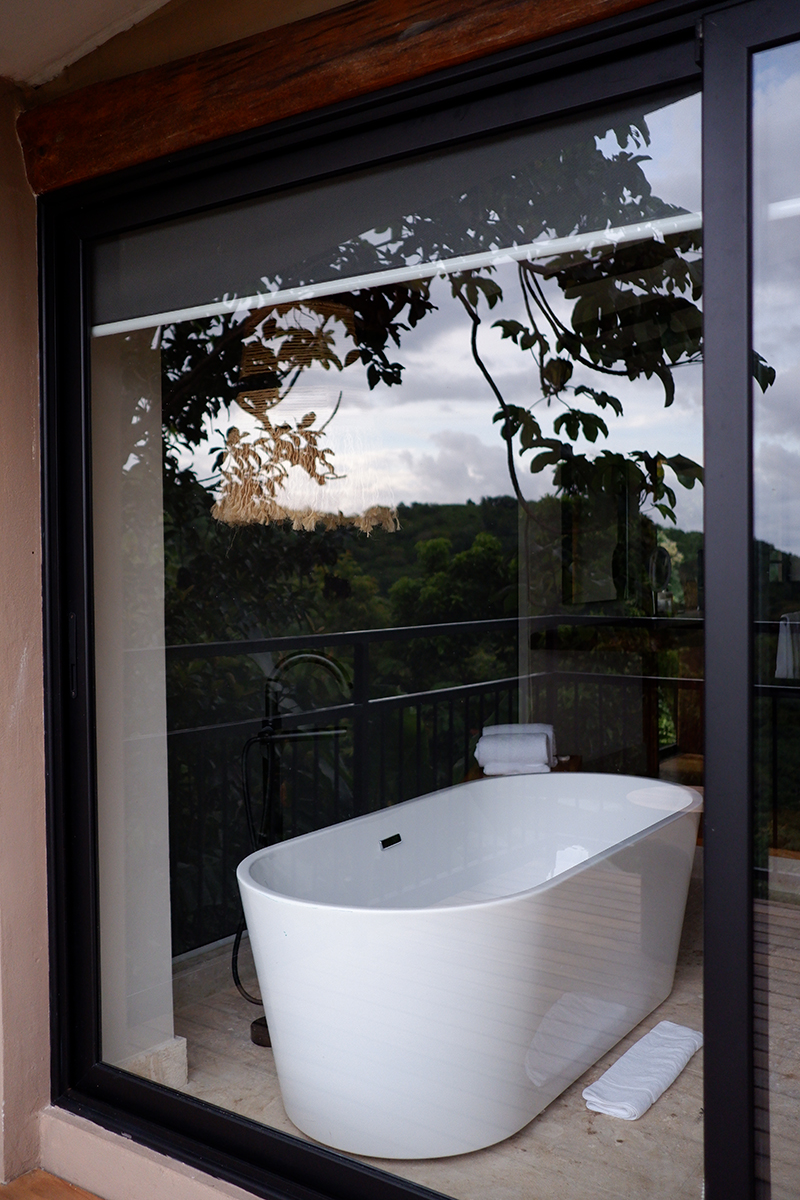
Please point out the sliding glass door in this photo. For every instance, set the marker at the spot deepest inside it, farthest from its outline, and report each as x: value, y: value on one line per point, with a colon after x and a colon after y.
x: 751, y: 190
x: 424, y: 525
x: 398, y: 559
x: 776, y: 732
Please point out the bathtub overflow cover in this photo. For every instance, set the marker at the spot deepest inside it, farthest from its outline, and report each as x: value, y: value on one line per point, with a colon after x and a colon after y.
x: 390, y: 841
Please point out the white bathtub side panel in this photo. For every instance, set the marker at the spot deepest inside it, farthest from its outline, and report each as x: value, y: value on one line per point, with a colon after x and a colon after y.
x: 434, y: 1032
x: 398, y: 1036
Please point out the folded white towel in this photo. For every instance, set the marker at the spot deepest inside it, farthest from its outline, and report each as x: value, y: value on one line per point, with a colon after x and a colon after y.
x: 513, y: 753
x: 639, y: 1077
x: 574, y: 1032
x: 516, y: 746
x: 511, y: 768
x: 517, y: 730
x: 787, y: 665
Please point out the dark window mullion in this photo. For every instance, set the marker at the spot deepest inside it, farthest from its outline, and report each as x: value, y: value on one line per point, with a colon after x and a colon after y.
x: 729, y: 1109
x: 731, y: 38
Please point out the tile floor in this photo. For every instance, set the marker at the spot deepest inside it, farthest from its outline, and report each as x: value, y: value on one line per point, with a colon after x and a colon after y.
x: 567, y: 1152
x: 777, y: 937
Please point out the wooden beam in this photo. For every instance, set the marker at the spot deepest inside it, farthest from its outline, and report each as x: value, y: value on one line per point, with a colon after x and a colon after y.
x: 335, y: 56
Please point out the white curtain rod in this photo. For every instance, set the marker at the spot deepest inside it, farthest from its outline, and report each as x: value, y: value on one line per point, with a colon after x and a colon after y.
x: 643, y: 231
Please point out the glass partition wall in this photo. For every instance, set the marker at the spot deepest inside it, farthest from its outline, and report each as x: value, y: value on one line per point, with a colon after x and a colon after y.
x: 397, y: 490
x: 776, y: 256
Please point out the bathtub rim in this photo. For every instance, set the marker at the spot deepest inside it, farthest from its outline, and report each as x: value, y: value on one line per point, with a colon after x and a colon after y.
x: 246, y: 880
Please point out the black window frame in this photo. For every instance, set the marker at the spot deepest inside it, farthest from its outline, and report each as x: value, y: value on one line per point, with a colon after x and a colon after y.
x: 650, y: 49
x: 737, y: 1143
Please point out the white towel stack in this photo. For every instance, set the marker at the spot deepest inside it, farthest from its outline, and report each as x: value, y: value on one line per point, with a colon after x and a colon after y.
x: 787, y: 665
x: 516, y: 749
x: 644, y: 1072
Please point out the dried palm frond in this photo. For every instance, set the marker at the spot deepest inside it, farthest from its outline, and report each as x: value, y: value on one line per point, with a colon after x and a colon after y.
x: 255, y: 468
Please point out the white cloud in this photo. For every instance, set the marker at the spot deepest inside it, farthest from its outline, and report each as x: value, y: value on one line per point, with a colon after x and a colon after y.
x: 433, y: 439
x: 674, y: 172
x: 776, y: 315
x: 464, y: 467
x: 775, y: 495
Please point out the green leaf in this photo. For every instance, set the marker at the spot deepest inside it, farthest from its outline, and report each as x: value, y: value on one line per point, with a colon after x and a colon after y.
x: 513, y: 417
x: 510, y: 329
x: 574, y: 421
x: 569, y: 342
x: 556, y: 374
x: 548, y: 459
x: 531, y: 432
x: 569, y: 423
x: 491, y: 290
x: 763, y: 373
x: 603, y: 399
x: 665, y: 375
x: 687, y: 471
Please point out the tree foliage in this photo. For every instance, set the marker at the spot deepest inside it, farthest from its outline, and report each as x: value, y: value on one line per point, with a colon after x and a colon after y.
x: 588, y: 320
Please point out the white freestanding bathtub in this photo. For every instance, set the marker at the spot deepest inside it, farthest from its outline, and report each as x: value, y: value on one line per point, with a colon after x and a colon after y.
x: 434, y: 974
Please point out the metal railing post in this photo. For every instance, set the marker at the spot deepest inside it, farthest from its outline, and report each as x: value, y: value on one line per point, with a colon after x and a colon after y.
x: 360, y: 726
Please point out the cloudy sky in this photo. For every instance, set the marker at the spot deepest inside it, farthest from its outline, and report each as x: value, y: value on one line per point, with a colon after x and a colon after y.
x: 433, y: 440
x: 776, y: 315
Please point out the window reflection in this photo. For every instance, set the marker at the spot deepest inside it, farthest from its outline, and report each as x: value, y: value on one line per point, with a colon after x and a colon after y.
x: 776, y: 570
x: 437, y: 477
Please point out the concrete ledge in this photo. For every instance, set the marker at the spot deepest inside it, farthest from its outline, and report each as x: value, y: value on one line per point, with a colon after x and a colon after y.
x: 115, y: 1168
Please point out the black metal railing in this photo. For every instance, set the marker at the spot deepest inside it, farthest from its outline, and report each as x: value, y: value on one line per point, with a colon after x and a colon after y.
x: 318, y: 764
x: 776, y: 753
x: 323, y: 764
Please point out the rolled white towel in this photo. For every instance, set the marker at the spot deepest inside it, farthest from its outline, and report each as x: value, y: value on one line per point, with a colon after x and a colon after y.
x: 516, y: 747
x: 644, y: 1072
x: 517, y: 730
x: 513, y: 753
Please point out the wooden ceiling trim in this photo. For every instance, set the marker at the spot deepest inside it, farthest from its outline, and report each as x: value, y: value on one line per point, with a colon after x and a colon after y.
x: 335, y: 56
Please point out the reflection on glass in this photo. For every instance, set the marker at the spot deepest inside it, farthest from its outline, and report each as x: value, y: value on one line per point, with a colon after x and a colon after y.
x: 776, y: 269
x: 427, y: 476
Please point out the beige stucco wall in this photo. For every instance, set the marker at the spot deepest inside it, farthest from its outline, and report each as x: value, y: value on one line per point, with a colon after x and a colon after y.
x: 116, y: 1169
x: 31, y: 1133
x: 24, y: 1040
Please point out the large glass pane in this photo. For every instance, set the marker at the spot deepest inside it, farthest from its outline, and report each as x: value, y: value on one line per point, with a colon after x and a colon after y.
x: 776, y: 209
x: 398, y: 562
